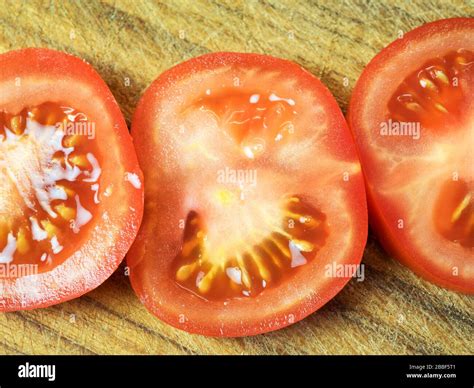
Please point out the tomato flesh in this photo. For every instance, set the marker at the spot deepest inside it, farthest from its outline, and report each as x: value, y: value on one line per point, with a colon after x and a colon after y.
x: 51, y: 181
x: 412, y: 117
x: 251, y: 262
x: 71, y: 193
x: 254, y: 263
x: 453, y: 213
x: 252, y: 189
x: 250, y: 117
x: 431, y: 95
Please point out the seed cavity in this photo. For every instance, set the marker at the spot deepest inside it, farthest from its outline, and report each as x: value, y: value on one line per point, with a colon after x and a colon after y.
x: 431, y: 95
x: 453, y: 213
x: 249, y: 118
x: 52, y: 176
x: 253, y: 266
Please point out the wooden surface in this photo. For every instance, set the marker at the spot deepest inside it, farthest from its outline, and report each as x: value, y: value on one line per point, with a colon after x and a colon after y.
x: 391, y: 312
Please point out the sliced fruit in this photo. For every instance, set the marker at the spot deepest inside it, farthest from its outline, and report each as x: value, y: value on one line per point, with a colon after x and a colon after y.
x: 63, y: 142
x: 412, y: 117
x: 253, y: 189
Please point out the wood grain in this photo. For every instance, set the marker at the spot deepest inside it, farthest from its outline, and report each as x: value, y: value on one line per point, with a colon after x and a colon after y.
x: 391, y: 312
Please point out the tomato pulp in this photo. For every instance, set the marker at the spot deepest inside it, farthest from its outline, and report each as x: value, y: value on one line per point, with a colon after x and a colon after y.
x: 253, y: 192
x: 71, y: 197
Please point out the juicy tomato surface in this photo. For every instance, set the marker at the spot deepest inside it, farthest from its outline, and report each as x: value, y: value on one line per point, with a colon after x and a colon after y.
x: 412, y: 117
x: 254, y: 199
x: 71, y: 195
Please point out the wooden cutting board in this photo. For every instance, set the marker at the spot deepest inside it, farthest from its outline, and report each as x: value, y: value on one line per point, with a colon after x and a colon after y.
x: 130, y: 43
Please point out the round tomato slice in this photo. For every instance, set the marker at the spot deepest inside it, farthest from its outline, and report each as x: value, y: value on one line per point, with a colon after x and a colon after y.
x: 71, y: 195
x: 255, y: 204
x: 412, y: 116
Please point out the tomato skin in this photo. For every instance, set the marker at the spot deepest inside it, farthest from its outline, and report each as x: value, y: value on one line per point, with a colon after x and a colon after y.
x: 149, y: 271
x: 382, y: 211
x: 29, y: 77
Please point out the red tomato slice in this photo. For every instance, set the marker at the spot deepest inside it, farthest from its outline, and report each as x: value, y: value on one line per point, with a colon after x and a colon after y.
x: 253, y: 195
x: 412, y: 116
x: 71, y: 197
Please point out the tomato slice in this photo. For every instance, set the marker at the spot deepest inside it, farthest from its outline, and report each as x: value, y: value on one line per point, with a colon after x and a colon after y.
x: 71, y: 195
x: 252, y: 189
x: 412, y: 116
